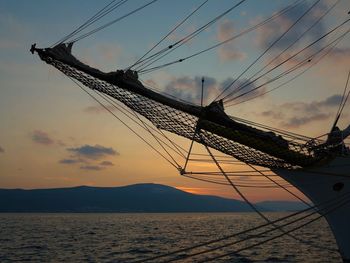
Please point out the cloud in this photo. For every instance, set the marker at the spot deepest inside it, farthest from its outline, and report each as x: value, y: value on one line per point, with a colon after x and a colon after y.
x: 225, y: 30
x: 41, y: 137
x: 297, y: 114
x: 302, y: 120
x: 2, y: 150
x: 268, y: 33
x: 106, y: 163
x: 189, y: 89
x: 339, y: 57
x: 70, y: 161
x: 331, y: 101
x: 88, y: 157
x: 273, y: 114
x: 91, y: 167
x: 44, y: 138
x: 228, y: 51
x: 93, y: 152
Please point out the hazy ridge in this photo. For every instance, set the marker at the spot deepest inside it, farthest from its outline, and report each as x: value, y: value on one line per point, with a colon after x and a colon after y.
x: 152, y: 198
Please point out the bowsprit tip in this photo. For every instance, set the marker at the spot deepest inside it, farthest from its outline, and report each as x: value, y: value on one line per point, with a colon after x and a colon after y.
x: 33, y: 48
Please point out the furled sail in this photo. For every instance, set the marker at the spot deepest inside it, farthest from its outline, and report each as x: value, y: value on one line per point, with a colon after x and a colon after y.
x: 208, y: 125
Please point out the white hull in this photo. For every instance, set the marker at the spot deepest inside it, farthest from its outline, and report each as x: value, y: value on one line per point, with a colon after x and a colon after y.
x: 321, y: 184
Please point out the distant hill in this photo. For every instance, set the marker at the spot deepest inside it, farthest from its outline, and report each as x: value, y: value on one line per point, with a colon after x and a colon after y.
x: 132, y: 199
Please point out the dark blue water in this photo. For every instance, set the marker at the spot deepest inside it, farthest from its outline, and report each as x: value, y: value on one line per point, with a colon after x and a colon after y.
x: 129, y: 237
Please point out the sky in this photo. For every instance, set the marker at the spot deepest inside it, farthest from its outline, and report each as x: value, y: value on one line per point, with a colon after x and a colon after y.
x: 53, y: 135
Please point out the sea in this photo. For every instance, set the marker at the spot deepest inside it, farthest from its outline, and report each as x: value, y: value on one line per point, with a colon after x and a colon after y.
x: 137, y: 237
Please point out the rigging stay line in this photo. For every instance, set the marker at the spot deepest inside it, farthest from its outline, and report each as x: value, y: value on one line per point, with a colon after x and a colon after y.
x: 282, y: 52
x: 255, y: 145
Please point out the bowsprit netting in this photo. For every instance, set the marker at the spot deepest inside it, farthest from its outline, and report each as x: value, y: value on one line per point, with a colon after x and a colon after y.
x: 201, y: 124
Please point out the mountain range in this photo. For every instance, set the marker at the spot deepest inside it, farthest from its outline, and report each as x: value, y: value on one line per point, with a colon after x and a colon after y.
x: 145, y: 198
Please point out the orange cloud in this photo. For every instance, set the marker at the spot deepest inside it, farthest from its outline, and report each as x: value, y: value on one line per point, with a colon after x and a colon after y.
x: 228, y: 51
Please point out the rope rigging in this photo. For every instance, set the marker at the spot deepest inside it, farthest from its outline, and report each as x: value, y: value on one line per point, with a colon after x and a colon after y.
x: 167, y: 35
x: 314, y: 62
x: 313, y: 210
x: 281, y: 75
x: 342, y: 102
x: 283, y: 51
x: 213, y: 178
x: 322, y: 214
x: 285, y: 61
x: 269, y: 152
x: 210, y: 126
x: 221, y: 170
x: 159, y: 55
x: 160, y: 142
x: 125, y: 124
x: 100, y: 14
x: 111, y: 22
x: 281, y: 186
x: 251, y: 205
x: 150, y: 129
x: 165, y: 158
x: 257, y: 236
x: 286, y: 133
x: 112, y: 6
x: 146, y: 127
x: 223, y: 182
x: 144, y: 69
x: 267, y: 50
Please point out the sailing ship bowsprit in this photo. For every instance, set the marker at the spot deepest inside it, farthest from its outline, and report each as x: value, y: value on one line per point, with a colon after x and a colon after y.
x: 300, y: 160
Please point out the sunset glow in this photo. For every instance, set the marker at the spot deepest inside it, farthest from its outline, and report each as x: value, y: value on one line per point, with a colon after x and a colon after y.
x: 54, y: 135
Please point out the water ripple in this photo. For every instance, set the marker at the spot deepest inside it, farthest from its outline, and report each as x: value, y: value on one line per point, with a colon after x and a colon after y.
x: 126, y: 237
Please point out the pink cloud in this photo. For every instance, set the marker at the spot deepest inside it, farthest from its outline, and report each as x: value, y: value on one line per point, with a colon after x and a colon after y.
x: 340, y: 56
x: 228, y: 51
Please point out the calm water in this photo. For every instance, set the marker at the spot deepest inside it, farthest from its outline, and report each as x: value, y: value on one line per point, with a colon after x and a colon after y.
x: 130, y: 237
